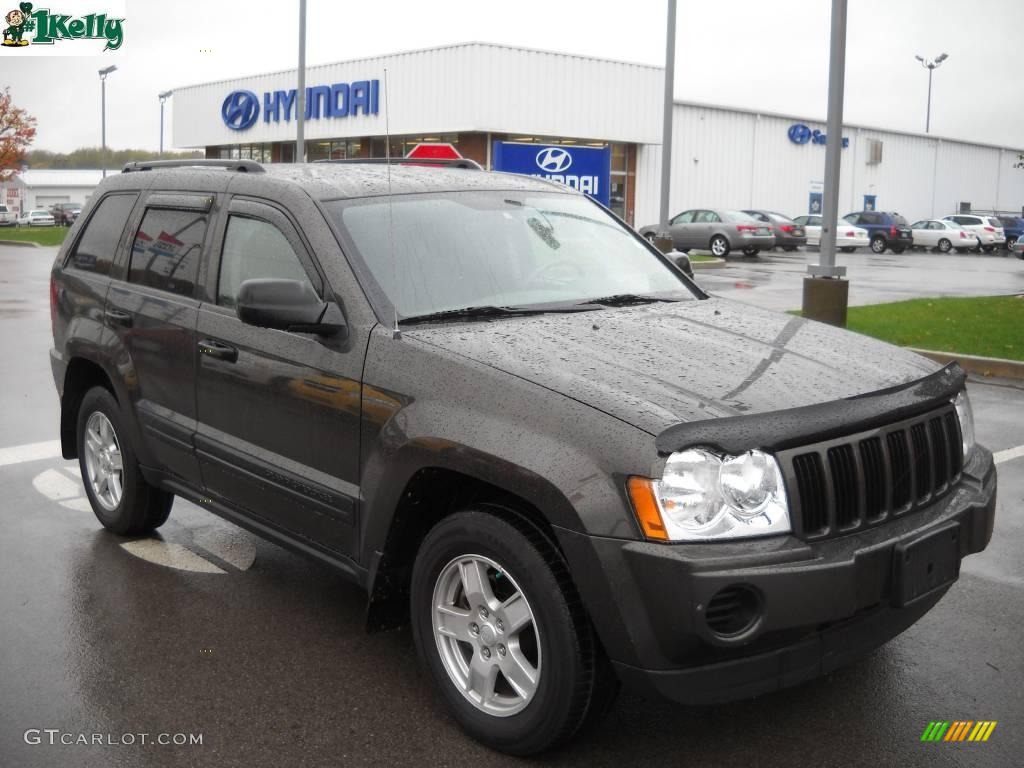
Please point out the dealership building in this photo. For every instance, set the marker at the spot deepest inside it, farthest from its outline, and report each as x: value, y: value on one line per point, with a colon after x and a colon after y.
x: 594, y: 124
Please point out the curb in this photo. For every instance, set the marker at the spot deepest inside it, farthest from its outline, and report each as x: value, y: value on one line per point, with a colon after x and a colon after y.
x: 982, y: 366
x: 22, y: 243
x: 716, y: 264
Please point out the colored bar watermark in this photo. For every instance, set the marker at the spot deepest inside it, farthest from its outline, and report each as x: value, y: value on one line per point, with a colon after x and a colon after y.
x: 958, y: 730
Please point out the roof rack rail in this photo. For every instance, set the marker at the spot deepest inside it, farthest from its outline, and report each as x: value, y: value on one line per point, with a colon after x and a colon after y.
x: 242, y: 166
x: 447, y: 162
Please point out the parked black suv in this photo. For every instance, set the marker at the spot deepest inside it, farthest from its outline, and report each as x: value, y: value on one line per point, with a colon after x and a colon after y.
x: 885, y: 230
x: 517, y: 425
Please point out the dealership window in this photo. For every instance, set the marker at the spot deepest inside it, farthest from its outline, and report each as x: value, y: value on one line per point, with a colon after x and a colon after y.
x: 401, y: 145
x: 333, y: 149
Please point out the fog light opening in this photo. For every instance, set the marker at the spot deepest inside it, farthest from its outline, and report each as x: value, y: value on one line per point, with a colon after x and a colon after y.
x: 733, y: 610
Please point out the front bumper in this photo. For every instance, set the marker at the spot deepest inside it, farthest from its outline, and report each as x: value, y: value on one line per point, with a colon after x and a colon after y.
x: 822, y: 604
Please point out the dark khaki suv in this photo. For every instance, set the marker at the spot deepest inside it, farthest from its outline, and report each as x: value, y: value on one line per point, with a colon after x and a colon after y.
x: 517, y: 425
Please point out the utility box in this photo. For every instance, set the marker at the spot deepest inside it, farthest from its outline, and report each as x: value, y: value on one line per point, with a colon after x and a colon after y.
x: 874, y: 152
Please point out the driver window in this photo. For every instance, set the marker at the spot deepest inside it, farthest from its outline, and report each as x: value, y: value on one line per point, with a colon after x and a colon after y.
x: 254, y: 248
x: 684, y: 218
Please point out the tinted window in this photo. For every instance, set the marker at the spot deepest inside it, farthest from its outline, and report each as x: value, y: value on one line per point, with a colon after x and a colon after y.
x: 898, y: 220
x: 95, y: 249
x: 994, y: 222
x: 254, y: 248
x: 870, y: 218
x: 167, y: 250
x: 921, y: 225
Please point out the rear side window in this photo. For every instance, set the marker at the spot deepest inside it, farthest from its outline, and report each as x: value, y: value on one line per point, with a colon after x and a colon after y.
x: 252, y: 249
x: 994, y: 222
x: 898, y: 220
x: 95, y: 249
x: 167, y: 250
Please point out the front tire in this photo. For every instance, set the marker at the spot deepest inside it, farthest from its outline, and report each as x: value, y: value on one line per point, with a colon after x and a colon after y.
x: 499, y: 626
x: 1009, y: 244
x: 878, y: 244
x: 945, y: 246
x: 121, y: 498
x: 720, y: 246
x: 751, y: 251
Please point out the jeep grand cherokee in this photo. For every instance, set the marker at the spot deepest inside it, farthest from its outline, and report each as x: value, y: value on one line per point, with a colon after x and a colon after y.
x: 519, y: 427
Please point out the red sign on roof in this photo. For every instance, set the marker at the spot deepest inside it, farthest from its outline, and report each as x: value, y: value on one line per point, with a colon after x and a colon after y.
x: 434, y: 152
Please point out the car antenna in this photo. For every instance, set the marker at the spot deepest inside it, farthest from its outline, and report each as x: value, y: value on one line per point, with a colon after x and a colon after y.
x: 395, y: 332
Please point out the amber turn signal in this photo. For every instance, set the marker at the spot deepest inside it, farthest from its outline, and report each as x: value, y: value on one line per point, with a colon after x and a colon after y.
x: 645, y: 506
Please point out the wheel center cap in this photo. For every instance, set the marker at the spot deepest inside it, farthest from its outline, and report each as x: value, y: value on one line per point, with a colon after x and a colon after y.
x: 487, y: 634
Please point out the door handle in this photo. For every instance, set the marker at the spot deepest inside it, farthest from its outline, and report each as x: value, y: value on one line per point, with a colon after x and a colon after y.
x: 215, y: 349
x: 117, y: 317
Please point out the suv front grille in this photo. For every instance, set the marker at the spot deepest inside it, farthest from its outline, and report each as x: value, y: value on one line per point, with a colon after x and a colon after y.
x: 838, y: 486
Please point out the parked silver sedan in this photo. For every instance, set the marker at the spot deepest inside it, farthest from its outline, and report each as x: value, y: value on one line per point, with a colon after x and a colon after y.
x: 718, y: 230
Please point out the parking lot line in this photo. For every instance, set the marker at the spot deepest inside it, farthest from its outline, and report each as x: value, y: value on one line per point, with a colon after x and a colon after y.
x: 18, y: 454
x: 1008, y: 454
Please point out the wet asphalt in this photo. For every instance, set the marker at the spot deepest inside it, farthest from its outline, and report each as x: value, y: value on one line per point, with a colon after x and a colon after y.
x: 265, y: 656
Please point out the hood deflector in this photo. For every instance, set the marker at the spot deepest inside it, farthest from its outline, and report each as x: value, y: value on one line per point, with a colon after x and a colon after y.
x: 777, y: 430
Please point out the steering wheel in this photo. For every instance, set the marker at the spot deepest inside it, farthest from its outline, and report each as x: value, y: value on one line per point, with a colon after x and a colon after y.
x: 548, y: 273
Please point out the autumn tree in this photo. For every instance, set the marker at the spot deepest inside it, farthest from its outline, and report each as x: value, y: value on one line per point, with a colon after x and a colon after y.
x: 17, y: 129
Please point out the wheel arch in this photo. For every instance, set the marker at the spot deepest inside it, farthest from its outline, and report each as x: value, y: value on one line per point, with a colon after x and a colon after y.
x: 82, y: 374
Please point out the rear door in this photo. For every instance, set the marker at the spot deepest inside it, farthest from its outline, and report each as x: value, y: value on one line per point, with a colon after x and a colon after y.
x: 278, y: 433
x: 154, y: 313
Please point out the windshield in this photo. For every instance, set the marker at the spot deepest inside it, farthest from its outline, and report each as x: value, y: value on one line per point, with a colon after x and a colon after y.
x: 499, y: 249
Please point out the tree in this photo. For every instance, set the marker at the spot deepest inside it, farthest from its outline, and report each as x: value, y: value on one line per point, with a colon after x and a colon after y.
x: 17, y: 129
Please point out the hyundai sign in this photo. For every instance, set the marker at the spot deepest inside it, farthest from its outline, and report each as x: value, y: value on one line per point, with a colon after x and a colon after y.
x: 587, y: 169
x: 801, y: 134
x: 241, y: 109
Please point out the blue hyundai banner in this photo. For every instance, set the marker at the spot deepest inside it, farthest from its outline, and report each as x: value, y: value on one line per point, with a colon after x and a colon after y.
x: 587, y: 169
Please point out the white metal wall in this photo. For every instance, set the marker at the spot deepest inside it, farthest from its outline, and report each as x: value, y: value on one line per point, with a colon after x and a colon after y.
x: 736, y: 159
x: 469, y: 87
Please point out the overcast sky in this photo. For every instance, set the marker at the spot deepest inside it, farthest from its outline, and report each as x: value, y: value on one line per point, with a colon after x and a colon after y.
x: 756, y: 54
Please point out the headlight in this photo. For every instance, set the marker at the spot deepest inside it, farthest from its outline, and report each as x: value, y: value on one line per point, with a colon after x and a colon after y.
x: 703, y: 496
x: 966, y: 416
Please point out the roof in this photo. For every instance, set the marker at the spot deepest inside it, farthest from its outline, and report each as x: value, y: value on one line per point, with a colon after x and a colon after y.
x: 326, y: 181
x: 61, y: 178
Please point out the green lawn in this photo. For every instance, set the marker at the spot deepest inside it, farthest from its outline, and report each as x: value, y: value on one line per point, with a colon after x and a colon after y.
x: 695, y: 257
x: 41, y: 235
x: 990, y: 326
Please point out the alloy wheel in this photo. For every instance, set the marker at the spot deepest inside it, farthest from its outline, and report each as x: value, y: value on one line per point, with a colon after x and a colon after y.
x: 103, y: 461
x: 486, y: 635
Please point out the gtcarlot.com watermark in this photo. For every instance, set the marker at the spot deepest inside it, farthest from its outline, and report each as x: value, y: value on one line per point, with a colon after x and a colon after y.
x: 55, y: 736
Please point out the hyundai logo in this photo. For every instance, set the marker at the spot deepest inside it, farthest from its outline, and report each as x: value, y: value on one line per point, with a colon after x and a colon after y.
x: 799, y: 133
x: 554, y: 160
x: 240, y: 110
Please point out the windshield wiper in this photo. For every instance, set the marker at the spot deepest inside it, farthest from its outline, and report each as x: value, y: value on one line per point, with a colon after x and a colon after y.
x: 625, y: 299
x: 472, y: 313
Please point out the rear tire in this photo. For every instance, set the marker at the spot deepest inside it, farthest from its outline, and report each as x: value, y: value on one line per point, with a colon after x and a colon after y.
x: 120, y: 496
x: 878, y: 244
x: 988, y: 248
x: 518, y: 577
x: 945, y: 246
x: 847, y: 249
x: 751, y: 251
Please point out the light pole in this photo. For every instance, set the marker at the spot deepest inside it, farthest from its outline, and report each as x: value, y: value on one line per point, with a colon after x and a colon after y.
x: 664, y: 238
x: 300, y: 116
x: 103, y: 114
x: 163, y: 97
x: 826, y: 293
x: 930, y: 65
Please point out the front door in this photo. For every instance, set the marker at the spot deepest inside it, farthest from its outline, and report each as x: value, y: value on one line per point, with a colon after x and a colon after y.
x: 278, y: 412
x: 679, y: 228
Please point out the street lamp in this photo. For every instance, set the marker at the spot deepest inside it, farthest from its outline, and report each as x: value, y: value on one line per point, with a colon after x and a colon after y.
x: 103, y: 113
x: 930, y: 65
x: 163, y: 97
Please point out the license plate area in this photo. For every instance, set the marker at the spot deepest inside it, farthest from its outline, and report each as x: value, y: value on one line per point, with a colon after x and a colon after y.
x: 925, y: 565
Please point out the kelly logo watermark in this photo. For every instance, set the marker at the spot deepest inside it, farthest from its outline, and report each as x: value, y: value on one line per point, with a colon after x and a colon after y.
x: 27, y: 27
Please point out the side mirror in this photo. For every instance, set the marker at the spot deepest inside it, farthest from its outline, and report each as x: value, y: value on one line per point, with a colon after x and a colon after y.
x: 682, y: 261
x: 287, y: 305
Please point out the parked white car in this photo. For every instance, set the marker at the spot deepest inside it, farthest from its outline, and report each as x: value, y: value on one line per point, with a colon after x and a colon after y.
x: 8, y: 218
x: 944, y: 235
x: 989, y: 229
x: 848, y: 237
x: 36, y: 219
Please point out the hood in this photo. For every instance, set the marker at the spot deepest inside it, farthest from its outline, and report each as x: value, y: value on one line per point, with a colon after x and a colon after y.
x: 656, y: 365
